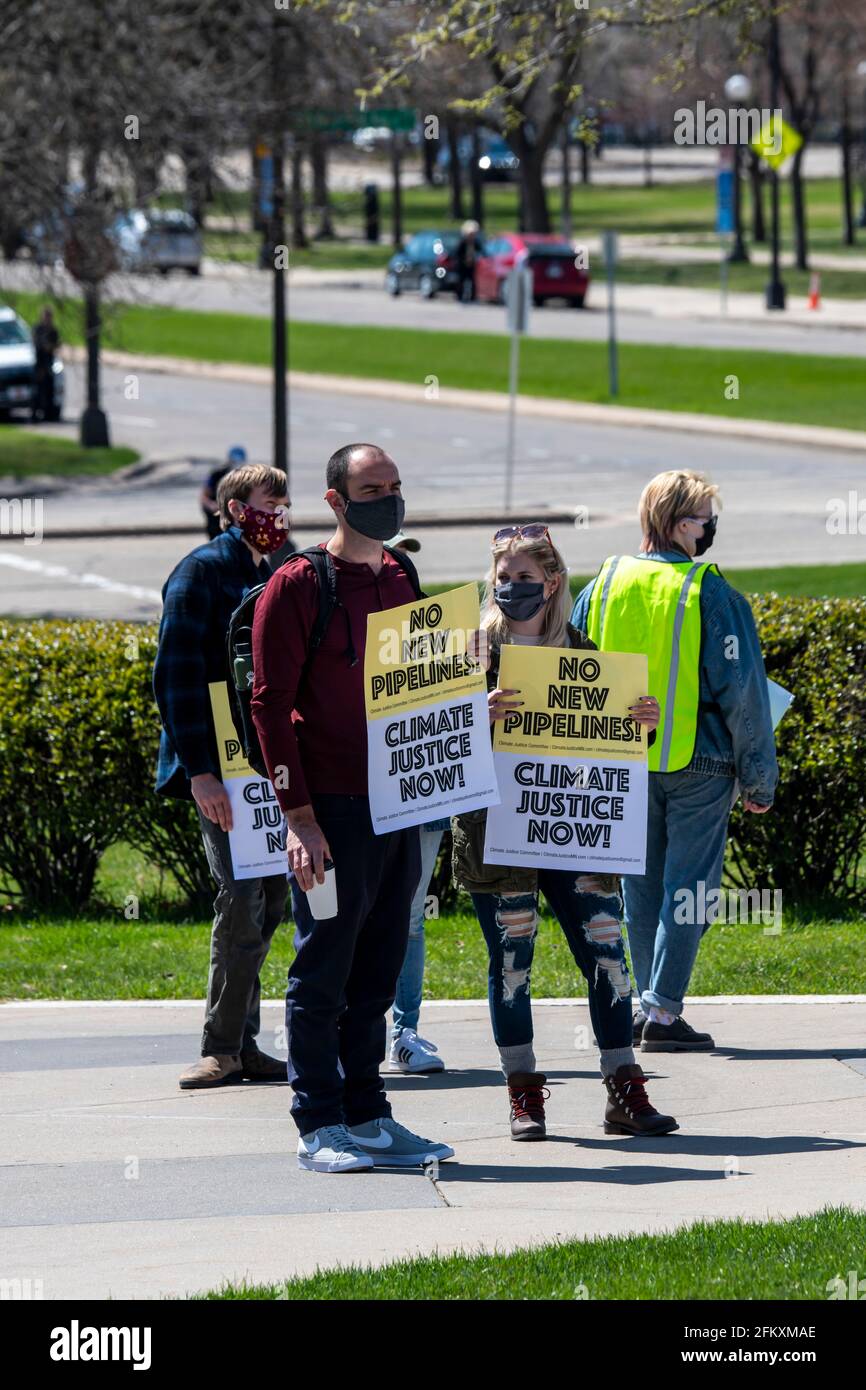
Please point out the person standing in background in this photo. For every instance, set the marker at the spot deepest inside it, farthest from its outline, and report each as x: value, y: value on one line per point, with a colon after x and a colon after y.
x: 46, y: 341
x: 199, y: 598
x: 235, y: 458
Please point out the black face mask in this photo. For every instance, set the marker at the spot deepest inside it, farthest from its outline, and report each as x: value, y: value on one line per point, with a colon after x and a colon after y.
x: 379, y: 520
x: 520, y: 600
x: 704, y: 542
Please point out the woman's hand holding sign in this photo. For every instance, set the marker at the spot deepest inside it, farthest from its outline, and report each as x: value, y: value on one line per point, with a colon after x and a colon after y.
x: 646, y: 712
x: 498, y: 704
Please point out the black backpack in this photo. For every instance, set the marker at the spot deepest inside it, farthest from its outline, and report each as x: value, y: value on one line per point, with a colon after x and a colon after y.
x: 239, y: 642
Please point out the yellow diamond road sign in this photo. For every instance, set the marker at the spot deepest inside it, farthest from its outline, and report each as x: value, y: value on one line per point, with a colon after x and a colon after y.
x: 777, y: 141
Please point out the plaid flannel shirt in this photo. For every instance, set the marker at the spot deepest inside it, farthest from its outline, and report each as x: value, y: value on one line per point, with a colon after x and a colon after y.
x: 199, y: 597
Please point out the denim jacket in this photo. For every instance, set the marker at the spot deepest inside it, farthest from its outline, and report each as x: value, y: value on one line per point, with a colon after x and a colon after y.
x: 734, y: 736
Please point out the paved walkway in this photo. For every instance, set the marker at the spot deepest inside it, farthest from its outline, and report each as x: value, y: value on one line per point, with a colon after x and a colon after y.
x: 113, y: 1182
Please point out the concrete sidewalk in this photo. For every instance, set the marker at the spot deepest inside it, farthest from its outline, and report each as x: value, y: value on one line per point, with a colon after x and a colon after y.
x: 116, y: 1183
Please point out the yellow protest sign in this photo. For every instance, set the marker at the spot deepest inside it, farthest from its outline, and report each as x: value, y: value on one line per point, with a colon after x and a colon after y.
x: 419, y: 652
x: 776, y: 142
x: 428, y: 731
x: 257, y: 838
x: 231, y: 754
x: 575, y: 703
x: 571, y: 763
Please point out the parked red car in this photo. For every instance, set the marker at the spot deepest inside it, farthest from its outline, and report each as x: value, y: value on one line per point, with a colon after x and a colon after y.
x: 555, y: 274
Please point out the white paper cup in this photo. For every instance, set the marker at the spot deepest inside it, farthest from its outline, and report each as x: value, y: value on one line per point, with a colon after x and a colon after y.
x: 322, y: 897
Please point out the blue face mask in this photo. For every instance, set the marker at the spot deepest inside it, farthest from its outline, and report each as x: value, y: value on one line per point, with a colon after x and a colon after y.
x: 520, y: 600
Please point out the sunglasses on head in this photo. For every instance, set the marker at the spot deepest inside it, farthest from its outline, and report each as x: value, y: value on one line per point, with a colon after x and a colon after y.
x: 535, y: 531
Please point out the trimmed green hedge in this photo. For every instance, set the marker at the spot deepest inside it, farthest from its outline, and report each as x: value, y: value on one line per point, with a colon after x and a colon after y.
x: 79, y: 732
x: 812, y: 844
x: 78, y: 738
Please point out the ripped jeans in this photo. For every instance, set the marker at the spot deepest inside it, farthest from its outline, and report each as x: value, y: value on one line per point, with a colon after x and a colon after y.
x: 592, y: 923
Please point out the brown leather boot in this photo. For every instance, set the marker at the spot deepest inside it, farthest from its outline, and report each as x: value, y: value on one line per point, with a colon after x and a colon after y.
x: 527, y: 1095
x: 628, y: 1109
x: 258, y: 1066
x: 212, y: 1071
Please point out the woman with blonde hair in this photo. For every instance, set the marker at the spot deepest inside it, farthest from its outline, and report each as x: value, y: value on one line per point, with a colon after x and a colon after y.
x: 715, y: 735
x: 526, y: 602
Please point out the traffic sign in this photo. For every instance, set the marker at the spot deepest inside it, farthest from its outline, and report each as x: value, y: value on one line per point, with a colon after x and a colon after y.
x: 518, y: 297
x: 776, y: 142
x: 333, y: 121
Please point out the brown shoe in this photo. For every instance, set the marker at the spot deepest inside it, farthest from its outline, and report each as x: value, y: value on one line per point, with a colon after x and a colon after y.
x: 527, y: 1095
x: 218, y: 1070
x: 628, y: 1109
x: 258, y: 1066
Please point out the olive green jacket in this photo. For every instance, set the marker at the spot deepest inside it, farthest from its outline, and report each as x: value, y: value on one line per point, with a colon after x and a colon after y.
x: 467, y: 830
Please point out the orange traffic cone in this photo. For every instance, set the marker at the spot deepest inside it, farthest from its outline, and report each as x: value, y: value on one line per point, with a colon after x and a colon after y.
x: 815, y: 291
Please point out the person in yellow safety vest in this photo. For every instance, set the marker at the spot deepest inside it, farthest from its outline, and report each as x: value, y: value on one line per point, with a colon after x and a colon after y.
x: 714, y: 740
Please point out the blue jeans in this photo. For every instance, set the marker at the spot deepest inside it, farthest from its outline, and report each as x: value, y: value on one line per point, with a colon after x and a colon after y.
x: 410, y: 986
x: 592, y: 923
x: 686, y: 833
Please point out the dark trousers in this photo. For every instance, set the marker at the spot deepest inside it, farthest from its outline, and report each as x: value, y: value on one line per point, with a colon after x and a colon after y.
x: 247, y: 912
x: 344, y: 976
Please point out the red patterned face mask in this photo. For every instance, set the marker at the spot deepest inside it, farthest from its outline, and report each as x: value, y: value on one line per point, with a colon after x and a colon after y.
x: 265, y: 531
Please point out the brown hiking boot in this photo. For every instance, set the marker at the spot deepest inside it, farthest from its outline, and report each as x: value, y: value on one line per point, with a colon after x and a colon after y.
x: 212, y: 1071
x: 258, y: 1066
x: 527, y: 1095
x: 628, y: 1109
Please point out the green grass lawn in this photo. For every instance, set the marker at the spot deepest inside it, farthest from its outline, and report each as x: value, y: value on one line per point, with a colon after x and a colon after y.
x: 786, y: 387
x: 100, y: 955
x: 789, y: 387
x: 23, y: 453
x: 785, y: 1260
x: 682, y: 210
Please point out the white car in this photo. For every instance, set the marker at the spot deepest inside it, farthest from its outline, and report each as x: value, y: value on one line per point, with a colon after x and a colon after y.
x: 18, y: 368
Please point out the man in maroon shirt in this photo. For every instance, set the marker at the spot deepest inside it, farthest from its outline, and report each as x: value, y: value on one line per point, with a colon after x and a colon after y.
x: 311, y: 720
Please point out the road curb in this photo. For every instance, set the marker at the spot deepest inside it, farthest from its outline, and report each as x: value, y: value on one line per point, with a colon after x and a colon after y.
x: 564, y: 1003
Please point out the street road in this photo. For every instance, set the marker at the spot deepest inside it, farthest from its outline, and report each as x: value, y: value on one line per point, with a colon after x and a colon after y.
x: 775, y: 497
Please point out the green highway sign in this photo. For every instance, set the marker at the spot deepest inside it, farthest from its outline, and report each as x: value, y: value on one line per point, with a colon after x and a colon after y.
x: 319, y: 118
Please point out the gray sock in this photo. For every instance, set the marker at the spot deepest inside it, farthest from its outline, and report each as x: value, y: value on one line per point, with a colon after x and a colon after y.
x: 519, y: 1058
x: 612, y: 1058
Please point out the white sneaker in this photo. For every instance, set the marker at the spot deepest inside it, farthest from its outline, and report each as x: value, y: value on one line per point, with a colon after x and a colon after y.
x: 331, y: 1149
x: 391, y: 1145
x: 409, y: 1053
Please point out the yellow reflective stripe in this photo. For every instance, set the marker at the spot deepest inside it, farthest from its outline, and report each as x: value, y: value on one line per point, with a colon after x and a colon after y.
x: 612, y: 563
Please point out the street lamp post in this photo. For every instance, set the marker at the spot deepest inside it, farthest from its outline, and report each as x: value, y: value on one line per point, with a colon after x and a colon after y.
x: 278, y: 242
x: 738, y: 89
x: 861, y: 73
x: 775, y: 289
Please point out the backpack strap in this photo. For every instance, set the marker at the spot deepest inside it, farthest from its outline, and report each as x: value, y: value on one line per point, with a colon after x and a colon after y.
x: 322, y: 562
x: 406, y: 564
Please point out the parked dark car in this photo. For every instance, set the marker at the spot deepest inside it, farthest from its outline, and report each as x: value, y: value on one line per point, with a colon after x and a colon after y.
x: 427, y: 263
x: 497, y: 161
x: 552, y: 260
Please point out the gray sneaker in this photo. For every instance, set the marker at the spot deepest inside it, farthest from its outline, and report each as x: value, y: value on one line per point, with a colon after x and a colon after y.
x: 331, y: 1149
x: 393, y: 1146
